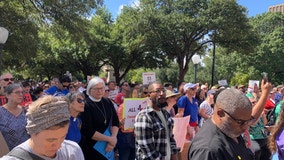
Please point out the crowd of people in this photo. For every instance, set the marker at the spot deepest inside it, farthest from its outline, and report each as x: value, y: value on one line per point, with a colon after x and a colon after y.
x: 65, y: 119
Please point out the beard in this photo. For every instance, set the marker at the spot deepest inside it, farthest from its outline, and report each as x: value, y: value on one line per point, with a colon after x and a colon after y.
x: 227, y: 130
x: 160, y: 102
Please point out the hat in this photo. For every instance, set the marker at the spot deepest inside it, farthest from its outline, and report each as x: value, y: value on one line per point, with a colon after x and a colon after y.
x: 274, y: 90
x: 189, y: 85
x: 279, y: 86
x: 241, y: 86
x: 170, y: 94
x: 203, y: 86
x: 211, y: 91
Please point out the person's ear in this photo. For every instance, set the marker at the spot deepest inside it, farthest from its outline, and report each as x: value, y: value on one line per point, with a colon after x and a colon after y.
x: 221, y: 113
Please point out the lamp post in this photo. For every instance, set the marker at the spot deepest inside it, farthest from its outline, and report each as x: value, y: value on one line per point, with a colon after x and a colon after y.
x: 3, y: 38
x: 195, y: 59
x: 213, y: 65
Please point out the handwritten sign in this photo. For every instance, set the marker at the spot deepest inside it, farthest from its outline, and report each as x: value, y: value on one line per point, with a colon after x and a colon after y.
x: 148, y: 77
x: 252, y: 83
x: 132, y: 106
x: 223, y: 82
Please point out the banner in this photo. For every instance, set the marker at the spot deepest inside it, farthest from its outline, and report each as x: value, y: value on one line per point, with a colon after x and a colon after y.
x: 132, y: 106
x: 179, y: 130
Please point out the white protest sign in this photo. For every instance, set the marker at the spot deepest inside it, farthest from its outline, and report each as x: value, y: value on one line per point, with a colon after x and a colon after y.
x: 132, y: 106
x: 222, y: 83
x: 180, y: 130
x: 148, y: 77
x: 252, y: 83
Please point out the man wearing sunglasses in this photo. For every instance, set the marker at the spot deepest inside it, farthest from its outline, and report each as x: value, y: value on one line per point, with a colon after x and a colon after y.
x: 60, y: 89
x: 220, y: 137
x: 5, y: 80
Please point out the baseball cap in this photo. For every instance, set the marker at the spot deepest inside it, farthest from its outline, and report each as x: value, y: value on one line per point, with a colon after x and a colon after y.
x: 189, y: 85
x: 211, y: 91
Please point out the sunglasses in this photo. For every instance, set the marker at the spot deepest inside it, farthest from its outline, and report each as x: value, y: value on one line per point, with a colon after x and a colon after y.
x: 107, y: 90
x: 7, y: 79
x: 79, y: 100
x: 145, y: 92
x: 66, y: 86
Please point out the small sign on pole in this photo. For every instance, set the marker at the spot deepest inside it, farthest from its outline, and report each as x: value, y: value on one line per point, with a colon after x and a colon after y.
x: 148, y: 77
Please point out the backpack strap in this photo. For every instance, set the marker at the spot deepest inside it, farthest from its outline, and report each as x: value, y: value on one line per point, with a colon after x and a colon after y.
x: 23, y: 154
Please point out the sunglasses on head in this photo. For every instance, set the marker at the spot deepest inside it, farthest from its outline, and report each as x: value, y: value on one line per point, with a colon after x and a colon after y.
x: 7, y: 79
x: 79, y: 100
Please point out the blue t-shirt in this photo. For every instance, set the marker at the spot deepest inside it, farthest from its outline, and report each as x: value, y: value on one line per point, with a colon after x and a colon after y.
x: 189, y: 108
x: 74, y: 133
x: 54, y: 91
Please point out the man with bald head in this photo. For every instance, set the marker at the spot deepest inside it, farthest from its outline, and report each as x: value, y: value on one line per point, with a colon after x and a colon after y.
x: 220, y: 137
x: 5, y: 80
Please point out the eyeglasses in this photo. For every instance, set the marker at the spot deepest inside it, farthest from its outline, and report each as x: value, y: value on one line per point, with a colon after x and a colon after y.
x: 79, y: 100
x: 18, y: 92
x: 97, y: 89
x: 8, y: 79
x: 239, y: 121
x: 158, y: 91
x: 107, y: 90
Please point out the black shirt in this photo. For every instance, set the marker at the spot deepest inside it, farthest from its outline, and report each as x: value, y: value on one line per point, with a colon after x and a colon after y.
x: 210, y: 143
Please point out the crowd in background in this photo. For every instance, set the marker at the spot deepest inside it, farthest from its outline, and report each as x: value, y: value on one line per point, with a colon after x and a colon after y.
x: 96, y: 115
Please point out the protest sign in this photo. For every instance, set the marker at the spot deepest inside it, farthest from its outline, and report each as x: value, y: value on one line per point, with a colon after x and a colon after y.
x: 132, y: 106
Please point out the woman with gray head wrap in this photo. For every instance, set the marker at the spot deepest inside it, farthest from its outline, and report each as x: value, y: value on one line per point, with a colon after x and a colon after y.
x: 47, y: 124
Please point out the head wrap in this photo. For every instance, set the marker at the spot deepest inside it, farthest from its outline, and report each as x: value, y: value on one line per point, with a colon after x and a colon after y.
x: 47, y: 115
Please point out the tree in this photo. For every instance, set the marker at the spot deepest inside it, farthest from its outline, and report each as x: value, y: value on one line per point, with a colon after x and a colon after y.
x: 25, y: 18
x: 180, y: 29
x: 269, y: 56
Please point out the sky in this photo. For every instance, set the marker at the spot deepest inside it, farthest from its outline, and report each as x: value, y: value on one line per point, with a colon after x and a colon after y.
x: 254, y: 6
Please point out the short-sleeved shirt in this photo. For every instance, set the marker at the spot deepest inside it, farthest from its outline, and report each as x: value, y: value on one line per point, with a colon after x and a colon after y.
x: 13, y: 127
x: 74, y: 133
x: 54, y: 91
x: 69, y: 150
x: 278, y: 110
x: 211, y: 143
x: 189, y: 108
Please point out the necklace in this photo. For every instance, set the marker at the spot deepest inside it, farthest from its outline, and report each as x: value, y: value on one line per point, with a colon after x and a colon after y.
x: 103, y: 112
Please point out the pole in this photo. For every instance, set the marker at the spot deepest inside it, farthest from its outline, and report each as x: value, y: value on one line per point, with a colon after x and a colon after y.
x: 195, y: 68
x: 213, y: 65
x: 1, y: 47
